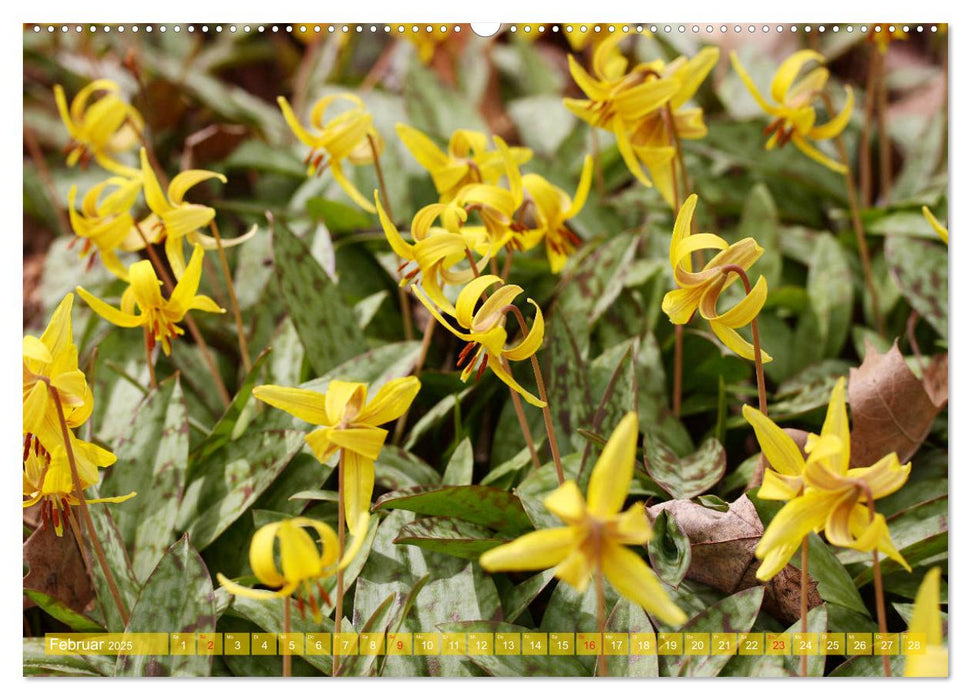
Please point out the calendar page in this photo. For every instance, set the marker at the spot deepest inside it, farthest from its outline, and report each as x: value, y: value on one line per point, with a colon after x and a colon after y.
x: 454, y: 350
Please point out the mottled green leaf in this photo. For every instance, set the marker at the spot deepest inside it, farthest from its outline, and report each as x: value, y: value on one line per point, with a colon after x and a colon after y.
x: 451, y: 536
x: 177, y: 597
x: 669, y: 550
x: 458, y: 471
x: 816, y: 622
x: 630, y: 618
x: 685, y: 477
x: 231, y: 480
x: 482, y: 505
x: 830, y: 290
x: 919, y: 268
x: 324, y: 321
x: 37, y: 662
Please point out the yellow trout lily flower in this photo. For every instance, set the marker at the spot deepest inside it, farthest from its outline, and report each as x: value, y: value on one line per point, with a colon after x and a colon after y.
x: 784, y: 480
x: 596, y: 532
x: 699, y: 291
x: 835, y: 498
x: 436, y: 250
x: 926, y: 621
x: 652, y: 139
x: 486, y: 334
x: 348, y: 422
x: 105, y: 223
x: 553, y: 208
x: 157, y: 314
x: 304, y: 560
x: 467, y: 160
x: 51, y: 361
x: 47, y: 476
x: 345, y: 137
x: 794, y: 112
x: 617, y: 100
x: 99, y: 128
x: 177, y: 219
x: 938, y: 227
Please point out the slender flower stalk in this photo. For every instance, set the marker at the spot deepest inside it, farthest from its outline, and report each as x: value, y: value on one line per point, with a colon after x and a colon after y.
x: 231, y: 288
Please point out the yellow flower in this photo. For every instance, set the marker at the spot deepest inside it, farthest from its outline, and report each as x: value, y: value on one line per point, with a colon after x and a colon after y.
x: 176, y: 219
x: 105, y: 223
x: 101, y: 128
x: 345, y: 137
x: 437, y: 249
x: 47, y: 476
x: 794, y: 112
x: 157, y: 314
x: 834, y: 497
x: 651, y: 138
x: 938, y: 227
x: 466, y: 161
x: 881, y: 36
x: 424, y: 41
x: 699, y: 291
x: 486, y: 336
x: 618, y: 99
x: 593, y: 541
x: 52, y: 361
x: 349, y: 422
x: 553, y: 207
x: 926, y: 621
x: 302, y: 563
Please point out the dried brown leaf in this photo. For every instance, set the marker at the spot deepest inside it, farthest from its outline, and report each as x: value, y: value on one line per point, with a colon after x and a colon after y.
x: 892, y: 409
x: 56, y: 568
x: 723, y: 553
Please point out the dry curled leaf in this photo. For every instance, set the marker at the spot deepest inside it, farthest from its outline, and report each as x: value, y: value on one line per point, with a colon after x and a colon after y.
x: 56, y: 568
x: 892, y: 409
x: 723, y: 553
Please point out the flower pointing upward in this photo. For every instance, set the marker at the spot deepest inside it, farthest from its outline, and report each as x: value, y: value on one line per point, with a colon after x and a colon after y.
x: 596, y: 533
x: 157, y: 314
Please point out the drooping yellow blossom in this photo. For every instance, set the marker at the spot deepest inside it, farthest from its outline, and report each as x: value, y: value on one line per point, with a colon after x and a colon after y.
x: 176, y: 219
x: 594, y: 540
x: 436, y: 250
x: 926, y: 623
x: 784, y: 481
x: 345, y: 137
x: 552, y: 208
x: 881, y: 36
x: 618, y: 99
x: 486, y: 330
x: 105, y: 223
x: 47, y: 476
x: 938, y: 227
x: 304, y: 560
x: 51, y: 361
x: 156, y: 313
x: 99, y: 128
x: 835, y: 498
x: 467, y: 159
x: 794, y: 111
x: 652, y: 139
x: 426, y: 38
x: 348, y: 422
x: 699, y: 291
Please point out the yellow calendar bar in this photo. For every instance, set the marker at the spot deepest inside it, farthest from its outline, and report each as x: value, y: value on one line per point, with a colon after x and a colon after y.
x: 108, y: 643
x: 487, y: 644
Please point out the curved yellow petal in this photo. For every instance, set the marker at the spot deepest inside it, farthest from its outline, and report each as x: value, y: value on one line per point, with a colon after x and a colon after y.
x: 566, y: 502
x: 402, y: 248
x: 837, y: 425
x: 779, y: 487
x: 185, y: 290
x: 153, y: 191
x: 391, y: 401
x: 634, y: 580
x: 737, y: 344
x: 299, y: 556
x: 750, y: 85
x: 110, y: 313
x: 583, y: 189
x: 496, y: 366
x: 294, y: 124
x: 835, y: 126
x: 261, y: 556
x: 253, y: 593
x: 610, y: 479
x: 349, y: 188
x: 358, y: 487
x: 786, y: 75
x: 470, y: 296
x: 885, y: 477
x: 938, y: 227
x: 424, y: 150
x: 305, y: 404
x: 633, y: 527
x: 803, y: 145
x: 532, y: 342
x: 365, y: 441
x: 536, y: 550
x: 779, y: 449
x: 791, y: 524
